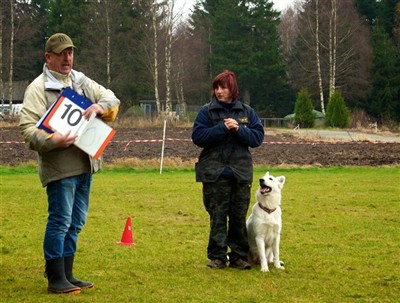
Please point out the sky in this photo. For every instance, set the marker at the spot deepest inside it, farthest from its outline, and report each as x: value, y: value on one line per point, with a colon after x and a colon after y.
x: 282, y: 4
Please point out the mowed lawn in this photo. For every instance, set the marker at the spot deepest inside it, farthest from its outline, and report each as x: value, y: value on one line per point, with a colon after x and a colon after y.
x: 340, y: 239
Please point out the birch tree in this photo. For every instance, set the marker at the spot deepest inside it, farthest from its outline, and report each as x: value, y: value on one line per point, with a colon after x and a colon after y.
x: 332, y: 51
x: 317, y: 55
x: 288, y: 26
x: 154, y: 68
x: 168, y: 26
x: 10, y: 76
x: 193, y: 52
x: 174, y: 69
x: 332, y: 47
x: 102, y: 18
x: 1, y: 57
x: 164, y: 21
x: 108, y: 47
x: 288, y: 29
x: 181, y: 49
x: 180, y: 95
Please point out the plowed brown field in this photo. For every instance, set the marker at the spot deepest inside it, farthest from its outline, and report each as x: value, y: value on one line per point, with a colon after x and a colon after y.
x: 278, y: 149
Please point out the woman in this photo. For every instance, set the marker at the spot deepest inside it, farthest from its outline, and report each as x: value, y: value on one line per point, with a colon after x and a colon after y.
x: 225, y: 128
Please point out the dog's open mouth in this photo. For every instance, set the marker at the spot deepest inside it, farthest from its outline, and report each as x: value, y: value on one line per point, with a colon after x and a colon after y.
x: 264, y: 189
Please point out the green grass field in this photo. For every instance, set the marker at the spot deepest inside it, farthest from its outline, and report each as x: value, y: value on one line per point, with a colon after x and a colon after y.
x: 340, y: 239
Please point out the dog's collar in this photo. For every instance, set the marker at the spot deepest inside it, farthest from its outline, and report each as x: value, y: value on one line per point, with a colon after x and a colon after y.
x: 268, y: 210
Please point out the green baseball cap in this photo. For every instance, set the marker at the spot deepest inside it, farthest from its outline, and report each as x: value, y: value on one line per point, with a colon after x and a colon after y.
x: 58, y: 42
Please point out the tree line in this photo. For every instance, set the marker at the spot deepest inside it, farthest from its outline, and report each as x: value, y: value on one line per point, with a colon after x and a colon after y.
x: 146, y: 50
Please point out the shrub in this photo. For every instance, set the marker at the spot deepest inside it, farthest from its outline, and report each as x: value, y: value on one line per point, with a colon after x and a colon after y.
x: 337, y: 114
x: 303, y: 109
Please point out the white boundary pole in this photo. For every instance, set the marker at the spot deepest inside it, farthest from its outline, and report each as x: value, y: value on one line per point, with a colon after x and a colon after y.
x: 162, y: 148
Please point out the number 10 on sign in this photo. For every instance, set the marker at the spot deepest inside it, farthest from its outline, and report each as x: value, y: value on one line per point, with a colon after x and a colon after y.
x: 67, y: 116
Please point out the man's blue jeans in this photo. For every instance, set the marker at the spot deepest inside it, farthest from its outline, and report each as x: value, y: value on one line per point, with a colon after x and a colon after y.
x: 68, y: 204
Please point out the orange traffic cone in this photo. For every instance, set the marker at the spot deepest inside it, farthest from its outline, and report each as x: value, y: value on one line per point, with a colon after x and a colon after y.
x: 127, y: 238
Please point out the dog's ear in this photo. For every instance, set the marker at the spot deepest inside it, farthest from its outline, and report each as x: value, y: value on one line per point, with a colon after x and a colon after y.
x: 281, y: 180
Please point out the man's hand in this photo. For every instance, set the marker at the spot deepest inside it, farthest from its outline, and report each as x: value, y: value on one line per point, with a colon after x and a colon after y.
x: 63, y: 140
x: 98, y: 109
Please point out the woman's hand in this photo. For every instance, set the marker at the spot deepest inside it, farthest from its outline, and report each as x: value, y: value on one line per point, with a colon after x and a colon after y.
x: 231, y: 124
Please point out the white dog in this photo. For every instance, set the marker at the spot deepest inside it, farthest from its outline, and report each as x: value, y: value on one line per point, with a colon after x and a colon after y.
x: 265, y: 223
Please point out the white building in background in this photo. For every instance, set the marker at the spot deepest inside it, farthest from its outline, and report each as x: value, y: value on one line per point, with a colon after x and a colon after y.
x: 17, y: 98
x: 15, y: 109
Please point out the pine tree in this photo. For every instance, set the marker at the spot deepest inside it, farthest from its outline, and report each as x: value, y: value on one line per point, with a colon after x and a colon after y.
x: 337, y: 114
x: 385, y: 99
x: 243, y: 37
x: 303, y: 110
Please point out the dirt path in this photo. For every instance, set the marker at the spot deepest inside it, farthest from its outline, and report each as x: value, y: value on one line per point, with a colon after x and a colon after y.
x: 349, y: 135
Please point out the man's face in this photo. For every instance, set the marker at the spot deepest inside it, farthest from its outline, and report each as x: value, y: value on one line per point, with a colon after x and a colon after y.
x: 62, y: 62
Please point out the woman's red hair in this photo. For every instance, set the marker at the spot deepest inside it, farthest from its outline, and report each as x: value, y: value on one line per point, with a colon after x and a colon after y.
x: 226, y: 79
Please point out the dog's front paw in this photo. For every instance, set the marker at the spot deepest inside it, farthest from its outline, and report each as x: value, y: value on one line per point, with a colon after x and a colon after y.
x: 279, y: 264
x: 264, y: 265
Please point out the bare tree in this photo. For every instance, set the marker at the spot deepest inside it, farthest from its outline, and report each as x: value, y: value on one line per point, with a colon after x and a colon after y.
x: 191, y: 52
x: 288, y: 29
x: 168, y: 26
x: 332, y: 51
x: 1, y: 57
x: 317, y: 54
x: 10, y: 83
x: 180, y: 96
x: 159, y: 12
x: 108, y: 47
x: 154, y: 68
x: 311, y: 39
x: 332, y: 47
x: 103, y: 19
x: 181, y: 55
x: 164, y: 21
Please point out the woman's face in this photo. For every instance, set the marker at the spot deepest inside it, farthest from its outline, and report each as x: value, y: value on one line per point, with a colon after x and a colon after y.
x: 223, y: 94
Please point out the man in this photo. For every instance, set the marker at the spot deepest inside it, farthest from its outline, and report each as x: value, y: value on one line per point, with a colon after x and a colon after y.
x: 64, y: 170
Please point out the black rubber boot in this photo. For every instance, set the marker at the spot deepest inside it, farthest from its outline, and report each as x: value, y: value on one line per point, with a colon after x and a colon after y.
x: 58, y: 283
x: 69, y: 264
